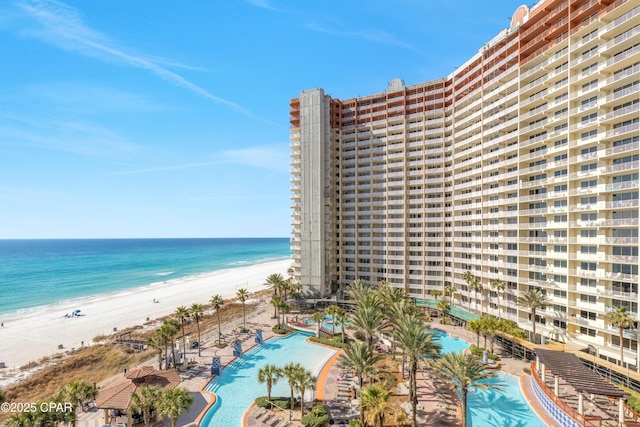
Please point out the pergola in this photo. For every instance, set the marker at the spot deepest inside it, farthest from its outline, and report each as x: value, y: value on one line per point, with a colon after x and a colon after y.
x: 117, y: 395
x: 586, y: 382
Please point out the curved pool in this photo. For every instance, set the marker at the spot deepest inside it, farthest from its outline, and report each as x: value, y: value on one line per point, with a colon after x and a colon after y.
x: 506, y: 408
x: 237, y: 386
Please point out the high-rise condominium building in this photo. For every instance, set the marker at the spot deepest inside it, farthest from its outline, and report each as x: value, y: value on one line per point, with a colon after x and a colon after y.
x: 522, y: 165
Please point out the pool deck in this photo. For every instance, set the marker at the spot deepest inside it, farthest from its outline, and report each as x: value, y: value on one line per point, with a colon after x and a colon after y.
x: 510, y: 365
x: 437, y: 403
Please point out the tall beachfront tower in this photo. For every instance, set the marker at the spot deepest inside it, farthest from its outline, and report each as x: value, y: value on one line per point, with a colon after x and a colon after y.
x: 522, y: 165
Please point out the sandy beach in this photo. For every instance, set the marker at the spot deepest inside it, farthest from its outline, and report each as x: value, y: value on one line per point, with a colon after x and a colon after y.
x: 29, y: 337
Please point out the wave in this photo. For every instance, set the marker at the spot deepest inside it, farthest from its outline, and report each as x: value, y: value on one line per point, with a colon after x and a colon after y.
x: 166, y: 273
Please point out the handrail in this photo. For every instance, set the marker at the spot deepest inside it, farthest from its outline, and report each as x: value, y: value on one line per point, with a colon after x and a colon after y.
x: 283, y: 408
x: 583, y: 420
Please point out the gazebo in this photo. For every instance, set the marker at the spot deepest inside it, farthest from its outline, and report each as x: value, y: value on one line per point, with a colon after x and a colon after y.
x: 583, y: 380
x: 117, y: 395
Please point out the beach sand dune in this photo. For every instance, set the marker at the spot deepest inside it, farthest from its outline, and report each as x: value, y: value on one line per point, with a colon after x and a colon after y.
x: 31, y: 336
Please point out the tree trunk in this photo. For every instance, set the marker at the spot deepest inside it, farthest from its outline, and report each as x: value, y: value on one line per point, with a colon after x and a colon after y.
x: 533, y: 319
x: 198, y: 324
x: 464, y: 407
x: 621, y: 348
x: 413, y: 392
x: 219, y: 330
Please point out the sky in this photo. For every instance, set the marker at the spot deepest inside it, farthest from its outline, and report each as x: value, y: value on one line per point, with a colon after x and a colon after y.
x: 168, y: 118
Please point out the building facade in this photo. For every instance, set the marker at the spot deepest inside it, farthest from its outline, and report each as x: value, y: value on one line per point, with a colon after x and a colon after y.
x: 522, y: 165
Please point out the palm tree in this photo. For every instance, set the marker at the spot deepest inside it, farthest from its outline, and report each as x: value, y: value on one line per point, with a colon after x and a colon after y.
x: 217, y: 302
x: 197, y: 311
x: 277, y: 302
x: 275, y: 282
x: 416, y: 343
x: 333, y: 311
x: 270, y: 375
x: 342, y: 319
x: 499, y: 286
x: 468, y: 277
x: 76, y: 392
x: 436, y: 293
x: 284, y: 310
x: 466, y: 373
x: 533, y: 299
x: 317, y: 318
x: 367, y: 320
x: 475, y: 285
x: 620, y: 318
x: 449, y: 291
x: 304, y: 380
x: 361, y: 358
x: 243, y: 296
x: 2, y: 398
x: 156, y: 342
x: 173, y: 403
x: 491, y: 326
x: 170, y: 329
x: 145, y: 401
x: 290, y: 371
x: 182, y: 313
x: 375, y: 399
x: 443, y: 306
x: 475, y: 326
x: 358, y: 289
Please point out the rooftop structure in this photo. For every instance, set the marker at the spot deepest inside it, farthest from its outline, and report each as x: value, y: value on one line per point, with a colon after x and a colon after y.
x: 521, y: 165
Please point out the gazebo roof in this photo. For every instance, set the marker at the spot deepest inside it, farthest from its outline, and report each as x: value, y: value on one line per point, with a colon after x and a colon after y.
x: 117, y: 395
x: 581, y: 378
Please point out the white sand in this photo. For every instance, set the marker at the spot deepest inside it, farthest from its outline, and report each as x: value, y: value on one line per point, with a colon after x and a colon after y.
x: 31, y: 336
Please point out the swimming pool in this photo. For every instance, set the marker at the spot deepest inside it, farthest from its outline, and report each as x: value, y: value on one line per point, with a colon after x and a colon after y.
x: 327, y: 323
x: 507, y: 407
x: 237, y: 386
x: 450, y: 344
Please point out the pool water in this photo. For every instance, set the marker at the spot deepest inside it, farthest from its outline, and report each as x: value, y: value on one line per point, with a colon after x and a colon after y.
x: 507, y: 407
x: 237, y: 386
x: 450, y: 344
x: 327, y: 324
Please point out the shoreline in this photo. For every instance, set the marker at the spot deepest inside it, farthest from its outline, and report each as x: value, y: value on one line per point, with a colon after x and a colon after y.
x: 30, y: 336
x: 26, y: 311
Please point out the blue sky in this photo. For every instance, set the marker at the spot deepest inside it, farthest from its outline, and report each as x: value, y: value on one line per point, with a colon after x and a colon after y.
x: 158, y: 118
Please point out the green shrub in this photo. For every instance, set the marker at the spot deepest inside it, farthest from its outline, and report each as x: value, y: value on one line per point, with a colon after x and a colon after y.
x: 282, y: 402
x: 445, y: 320
x: 262, y: 402
x: 479, y: 352
x: 328, y: 341
x: 319, y: 410
x: 311, y: 420
x: 281, y: 329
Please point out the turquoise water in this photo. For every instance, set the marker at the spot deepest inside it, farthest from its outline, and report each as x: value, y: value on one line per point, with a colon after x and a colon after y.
x: 450, y: 344
x: 36, y: 273
x: 237, y: 386
x: 327, y: 324
x: 505, y: 408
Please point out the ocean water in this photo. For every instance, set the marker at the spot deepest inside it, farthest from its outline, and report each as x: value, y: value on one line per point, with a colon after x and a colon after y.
x: 36, y: 273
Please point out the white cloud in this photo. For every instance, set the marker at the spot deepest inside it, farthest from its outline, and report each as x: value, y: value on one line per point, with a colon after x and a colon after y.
x: 61, y: 25
x: 372, y: 35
